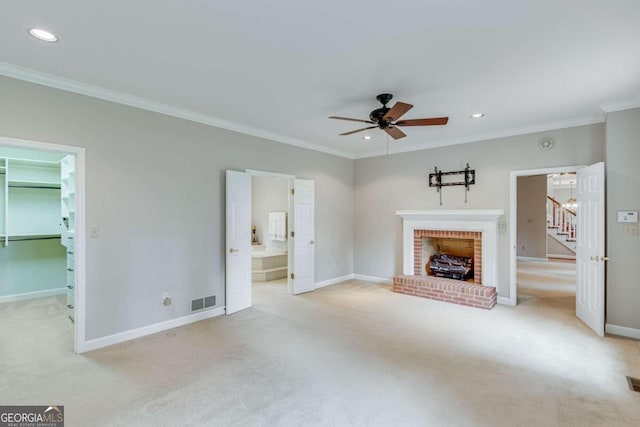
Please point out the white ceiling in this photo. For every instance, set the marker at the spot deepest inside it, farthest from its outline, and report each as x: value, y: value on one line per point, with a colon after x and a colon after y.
x: 280, y: 68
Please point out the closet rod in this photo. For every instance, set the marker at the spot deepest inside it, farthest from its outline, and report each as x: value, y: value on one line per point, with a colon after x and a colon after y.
x: 34, y: 186
x: 24, y: 239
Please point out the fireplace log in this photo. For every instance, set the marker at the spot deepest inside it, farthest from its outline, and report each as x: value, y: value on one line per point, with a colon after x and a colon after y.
x: 452, y: 267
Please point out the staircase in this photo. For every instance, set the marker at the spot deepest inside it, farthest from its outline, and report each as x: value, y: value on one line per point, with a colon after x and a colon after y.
x: 561, y: 224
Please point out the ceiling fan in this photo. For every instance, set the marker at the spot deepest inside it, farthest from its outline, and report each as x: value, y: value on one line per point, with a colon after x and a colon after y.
x: 386, y: 118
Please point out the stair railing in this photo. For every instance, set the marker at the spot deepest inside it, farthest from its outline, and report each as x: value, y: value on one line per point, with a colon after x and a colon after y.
x: 561, y: 218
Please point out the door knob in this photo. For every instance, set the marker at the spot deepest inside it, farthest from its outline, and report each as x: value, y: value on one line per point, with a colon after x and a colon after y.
x: 232, y: 250
x: 604, y: 258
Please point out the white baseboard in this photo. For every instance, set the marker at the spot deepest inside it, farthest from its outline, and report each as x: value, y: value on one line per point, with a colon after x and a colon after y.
x: 561, y: 256
x: 530, y: 258
x: 148, y: 330
x: 622, y: 331
x: 333, y: 281
x: 505, y: 301
x: 373, y: 279
x: 32, y: 295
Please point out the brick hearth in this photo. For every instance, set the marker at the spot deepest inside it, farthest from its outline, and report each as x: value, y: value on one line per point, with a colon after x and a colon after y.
x: 448, y: 290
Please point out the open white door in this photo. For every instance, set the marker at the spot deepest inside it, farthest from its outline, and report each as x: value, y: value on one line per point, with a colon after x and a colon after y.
x: 590, y: 247
x: 303, y: 279
x: 238, y: 246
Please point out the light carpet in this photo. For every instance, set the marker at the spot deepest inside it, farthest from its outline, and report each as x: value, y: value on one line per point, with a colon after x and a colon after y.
x: 351, y: 354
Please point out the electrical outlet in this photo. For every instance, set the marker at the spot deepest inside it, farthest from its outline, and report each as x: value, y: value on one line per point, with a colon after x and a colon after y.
x: 166, y: 298
x: 94, y: 231
x: 630, y: 230
x: 530, y: 220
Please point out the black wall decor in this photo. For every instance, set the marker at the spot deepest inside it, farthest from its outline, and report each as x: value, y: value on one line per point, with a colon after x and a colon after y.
x: 435, y: 180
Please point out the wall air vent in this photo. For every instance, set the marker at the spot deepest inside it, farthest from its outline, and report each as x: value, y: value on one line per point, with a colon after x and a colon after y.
x: 197, y: 304
x: 201, y: 303
x: 210, y: 301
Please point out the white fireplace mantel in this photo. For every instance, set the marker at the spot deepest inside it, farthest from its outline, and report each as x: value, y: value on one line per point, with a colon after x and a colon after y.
x: 482, y: 220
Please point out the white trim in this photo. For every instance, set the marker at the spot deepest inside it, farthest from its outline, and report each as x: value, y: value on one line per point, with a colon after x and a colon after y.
x: 482, y: 220
x: 151, y: 329
x: 530, y: 258
x: 622, y: 331
x: 504, y: 301
x: 333, y: 281
x: 578, y: 121
x: 86, y: 89
x: 610, y: 108
x: 271, y: 174
x: 80, y: 325
x: 513, y: 218
x: 33, y: 295
x: 50, y: 80
x: 373, y: 279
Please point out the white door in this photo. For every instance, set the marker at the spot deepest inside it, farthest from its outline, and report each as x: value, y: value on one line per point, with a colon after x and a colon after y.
x: 238, y: 247
x: 590, y: 247
x: 304, y: 234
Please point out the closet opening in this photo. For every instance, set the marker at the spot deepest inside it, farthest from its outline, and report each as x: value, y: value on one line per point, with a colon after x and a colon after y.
x: 38, y: 250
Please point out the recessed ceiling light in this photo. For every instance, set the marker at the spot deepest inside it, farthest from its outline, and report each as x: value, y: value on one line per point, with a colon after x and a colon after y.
x: 43, y: 35
x: 477, y: 115
x: 367, y: 137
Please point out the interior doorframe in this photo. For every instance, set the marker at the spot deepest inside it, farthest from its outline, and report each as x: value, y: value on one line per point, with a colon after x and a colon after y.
x: 80, y: 329
x: 291, y: 181
x: 513, y: 219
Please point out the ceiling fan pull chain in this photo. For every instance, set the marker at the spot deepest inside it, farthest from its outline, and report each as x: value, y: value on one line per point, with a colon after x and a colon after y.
x: 387, y: 144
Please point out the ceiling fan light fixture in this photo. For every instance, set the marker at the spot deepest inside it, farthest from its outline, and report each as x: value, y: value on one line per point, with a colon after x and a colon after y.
x: 366, y: 137
x: 43, y: 35
x: 477, y: 115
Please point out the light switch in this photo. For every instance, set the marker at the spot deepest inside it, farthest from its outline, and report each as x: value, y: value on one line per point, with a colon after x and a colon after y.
x: 94, y: 231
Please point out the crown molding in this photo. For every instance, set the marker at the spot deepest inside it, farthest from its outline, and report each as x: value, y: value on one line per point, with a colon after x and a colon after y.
x: 610, y: 108
x: 578, y: 121
x: 56, y: 82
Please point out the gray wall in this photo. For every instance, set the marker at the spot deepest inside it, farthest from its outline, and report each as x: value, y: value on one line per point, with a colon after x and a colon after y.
x: 623, y: 193
x: 268, y: 194
x: 532, y: 216
x: 155, y: 187
x: 387, y: 183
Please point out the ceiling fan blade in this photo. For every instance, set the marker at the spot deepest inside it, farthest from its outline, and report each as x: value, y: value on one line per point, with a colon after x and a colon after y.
x: 397, y: 111
x: 358, y: 130
x: 351, y: 120
x: 435, y: 121
x: 395, y: 133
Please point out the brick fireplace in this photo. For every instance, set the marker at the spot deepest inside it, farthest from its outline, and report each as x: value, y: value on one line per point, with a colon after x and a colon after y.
x: 468, y: 233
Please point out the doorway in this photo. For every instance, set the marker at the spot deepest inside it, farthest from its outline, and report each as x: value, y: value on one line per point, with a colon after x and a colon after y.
x: 589, y: 239
x: 297, y: 222
x: 270, y: 204
x: 546, y: 241
x: 42, y: 229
